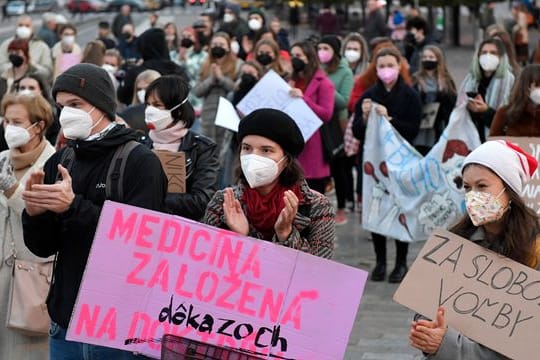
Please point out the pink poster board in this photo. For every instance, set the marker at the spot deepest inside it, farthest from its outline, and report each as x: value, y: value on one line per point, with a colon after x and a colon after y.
x: 150, y: 273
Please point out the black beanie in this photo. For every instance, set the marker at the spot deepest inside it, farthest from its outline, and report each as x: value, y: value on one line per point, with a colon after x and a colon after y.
x: 334, y: 43
x: 90, y: 82
x: 274, y: 125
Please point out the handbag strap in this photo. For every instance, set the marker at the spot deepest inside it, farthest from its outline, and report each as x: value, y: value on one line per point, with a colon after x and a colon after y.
x: 9, y: 260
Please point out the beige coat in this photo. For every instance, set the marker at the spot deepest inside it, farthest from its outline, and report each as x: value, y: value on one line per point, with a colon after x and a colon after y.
x: 12, y: 344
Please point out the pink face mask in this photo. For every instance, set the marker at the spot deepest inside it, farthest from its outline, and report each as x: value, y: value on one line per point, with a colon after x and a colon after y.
x: 324, y: 56
x: 387, y: 75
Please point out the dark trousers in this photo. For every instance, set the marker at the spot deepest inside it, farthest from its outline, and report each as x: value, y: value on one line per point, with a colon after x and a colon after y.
x: 341, y: 170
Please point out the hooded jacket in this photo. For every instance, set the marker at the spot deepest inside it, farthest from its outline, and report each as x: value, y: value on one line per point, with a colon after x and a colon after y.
x: 155, y: 54
x: 70, y: 234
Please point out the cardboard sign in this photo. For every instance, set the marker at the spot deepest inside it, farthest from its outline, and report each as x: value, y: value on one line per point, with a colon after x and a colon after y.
x: 406, y: 195
x: 174, y: 165
x: 429, y: 115
x: 488, y: 298
x: 150, y: 273
x: 273, y: 92
x: 531, y: 190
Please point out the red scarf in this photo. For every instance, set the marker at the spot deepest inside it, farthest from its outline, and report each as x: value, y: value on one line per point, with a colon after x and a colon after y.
x: 263, y: 210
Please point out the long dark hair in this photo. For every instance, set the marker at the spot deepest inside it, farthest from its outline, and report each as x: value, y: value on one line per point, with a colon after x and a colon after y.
x: 518, y: 239
x: 172, y: 90
x: 519, y: 99
x: 313, y: 61
x: 291, y: 175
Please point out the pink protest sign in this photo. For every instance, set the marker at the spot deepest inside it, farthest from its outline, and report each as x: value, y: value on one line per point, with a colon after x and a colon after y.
x: 150, y: 273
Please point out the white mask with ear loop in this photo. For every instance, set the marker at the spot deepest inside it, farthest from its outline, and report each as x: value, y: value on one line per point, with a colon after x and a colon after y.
x: 535, y: 95
x: 158, y: 119
x: 17, y: 136
x: 259, y: 170
x: 77, y: 123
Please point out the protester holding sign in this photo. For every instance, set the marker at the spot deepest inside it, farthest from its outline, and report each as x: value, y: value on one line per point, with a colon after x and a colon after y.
x: 27, y: 118
x: 311, y: 84
x: 438, y: 94
x: 64, y: 200
x: 494, y: 175
x: 272, y: 201
x: 521, y: 117
x: 399, y: 104
x: 169, y: 116
x: 488, y: 84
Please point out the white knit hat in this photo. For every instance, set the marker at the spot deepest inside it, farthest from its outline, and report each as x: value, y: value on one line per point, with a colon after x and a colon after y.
x: 513, y: 165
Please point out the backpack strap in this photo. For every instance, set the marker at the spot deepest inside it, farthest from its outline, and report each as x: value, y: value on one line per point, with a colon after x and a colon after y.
x: 114, y: 188
x: 66, y: 159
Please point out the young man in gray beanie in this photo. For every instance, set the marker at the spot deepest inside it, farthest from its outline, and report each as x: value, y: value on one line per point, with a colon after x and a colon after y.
x: 62, y: 207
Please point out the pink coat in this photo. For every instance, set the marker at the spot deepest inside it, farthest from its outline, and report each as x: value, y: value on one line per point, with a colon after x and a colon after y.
x: 319, y: 95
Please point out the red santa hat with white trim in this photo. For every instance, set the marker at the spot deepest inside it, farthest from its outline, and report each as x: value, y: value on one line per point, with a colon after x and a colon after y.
x: 510, y: 162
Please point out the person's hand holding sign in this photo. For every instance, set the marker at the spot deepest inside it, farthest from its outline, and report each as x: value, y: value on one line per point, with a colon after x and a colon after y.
x: 40, y: 197
x: 427, y: 335
x: 234, y: 215
x: 284, y: 222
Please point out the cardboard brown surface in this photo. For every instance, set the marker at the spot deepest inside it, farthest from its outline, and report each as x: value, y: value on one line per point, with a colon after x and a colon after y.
x: 531, y: 191
x: 174, y: 165
x: 490, y: 299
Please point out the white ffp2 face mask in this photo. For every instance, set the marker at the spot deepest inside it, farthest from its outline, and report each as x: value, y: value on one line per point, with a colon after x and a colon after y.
x: 158, y: 119
x: 17, y: 136
x: 488, y: 62
x: 259, y: 170
x: 352, y: 56
x: 23, y: 32
x: 535, y: 95
x: 77, y: 123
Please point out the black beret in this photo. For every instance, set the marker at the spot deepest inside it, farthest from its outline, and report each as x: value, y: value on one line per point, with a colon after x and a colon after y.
x: 274, y: 125
x: 334, y: 43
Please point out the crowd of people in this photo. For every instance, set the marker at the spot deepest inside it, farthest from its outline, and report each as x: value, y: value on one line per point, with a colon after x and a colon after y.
x: 71, y: 112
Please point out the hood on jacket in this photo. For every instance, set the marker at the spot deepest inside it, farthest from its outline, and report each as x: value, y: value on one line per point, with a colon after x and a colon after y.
x: 152, y: 45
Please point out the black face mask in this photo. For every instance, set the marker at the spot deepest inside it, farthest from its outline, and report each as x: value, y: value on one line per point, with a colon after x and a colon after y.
x: 218, y: 52
x: 247, y: 81
x: 429, y: 64
x: 127, y: 35
x: 264, y: 59
x: 409, y: 39
x: 298, y: 64
x: 16, y: 60
x: 186, y: 43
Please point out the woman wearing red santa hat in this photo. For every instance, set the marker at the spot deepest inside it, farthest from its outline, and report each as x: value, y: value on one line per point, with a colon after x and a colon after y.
x: 494, y: 175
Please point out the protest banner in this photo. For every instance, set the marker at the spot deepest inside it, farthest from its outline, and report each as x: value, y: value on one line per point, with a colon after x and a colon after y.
x: 531, y: 190
x: 150, y: 273
x: 488, y: 298
x: 226, y: 115
x: 406, y: 195
x: 273, y: 92
x: 174, y: 166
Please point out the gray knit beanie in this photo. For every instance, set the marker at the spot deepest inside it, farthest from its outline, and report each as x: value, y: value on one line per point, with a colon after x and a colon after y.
x: 90, y: 82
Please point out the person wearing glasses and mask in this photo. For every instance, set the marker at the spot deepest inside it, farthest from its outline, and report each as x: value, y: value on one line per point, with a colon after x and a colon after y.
x: 63, y: 203
x: 272, y: 200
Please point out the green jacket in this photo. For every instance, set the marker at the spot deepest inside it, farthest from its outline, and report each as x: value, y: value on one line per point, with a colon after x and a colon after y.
x: 343, y: 81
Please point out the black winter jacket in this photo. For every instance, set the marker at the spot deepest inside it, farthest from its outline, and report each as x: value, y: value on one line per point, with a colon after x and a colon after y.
x: 71, y: 233
x: 403, y: 105
x: 202, y: 167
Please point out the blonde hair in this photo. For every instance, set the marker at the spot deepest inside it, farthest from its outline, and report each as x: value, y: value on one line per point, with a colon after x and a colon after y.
x: 146, y: 75
x: 37, y: 106
x: 228, y: 65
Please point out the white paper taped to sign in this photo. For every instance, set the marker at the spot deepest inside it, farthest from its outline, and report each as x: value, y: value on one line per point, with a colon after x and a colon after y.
x: 429, y: 114
x: 226, y: 115
x: 273, y: 92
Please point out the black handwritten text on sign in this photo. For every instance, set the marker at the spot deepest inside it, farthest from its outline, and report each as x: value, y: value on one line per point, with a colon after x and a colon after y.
x: 174, y: 165
x: 490, y: 299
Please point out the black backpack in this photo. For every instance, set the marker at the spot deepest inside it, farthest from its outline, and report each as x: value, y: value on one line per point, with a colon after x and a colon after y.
x: 114, y: 188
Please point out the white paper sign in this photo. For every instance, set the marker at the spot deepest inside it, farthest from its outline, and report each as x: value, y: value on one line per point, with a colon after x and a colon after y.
x: 429, y: 115
x: 273, y: 92
x: 226, y: 115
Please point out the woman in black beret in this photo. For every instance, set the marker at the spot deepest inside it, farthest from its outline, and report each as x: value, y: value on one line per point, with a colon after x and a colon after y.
x: 272, y: 201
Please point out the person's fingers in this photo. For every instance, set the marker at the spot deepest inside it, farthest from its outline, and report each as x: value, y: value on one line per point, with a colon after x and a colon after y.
x: 441, y: 320
x: 65, y: 174
x: 292, y: 197
x: 426, y: 323
x: 238, y: 207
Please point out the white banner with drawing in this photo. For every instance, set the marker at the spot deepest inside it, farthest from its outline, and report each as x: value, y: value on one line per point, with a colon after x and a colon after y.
x: 273, y: 92
x: 405, y: 195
